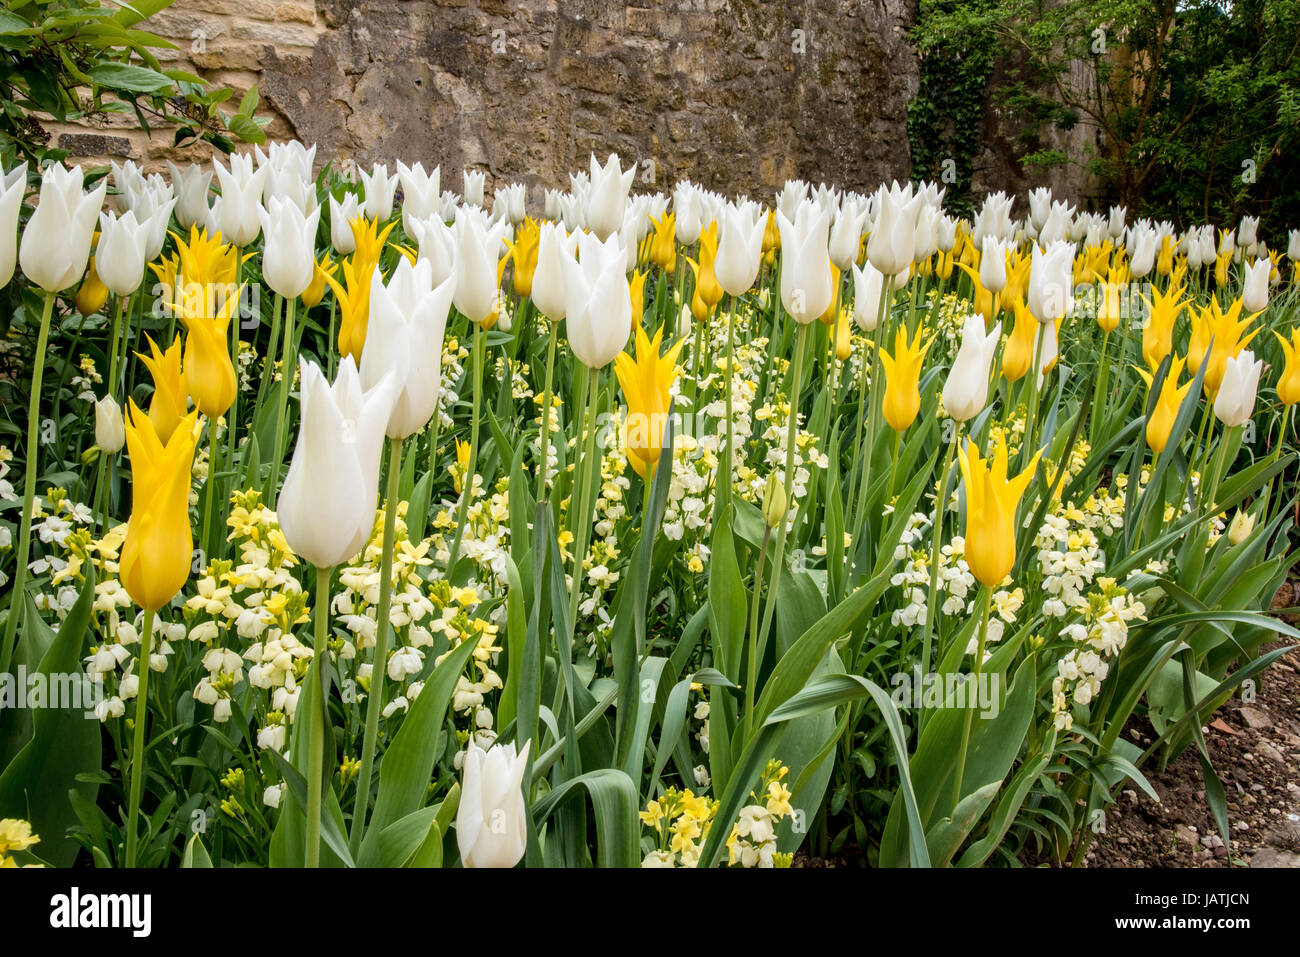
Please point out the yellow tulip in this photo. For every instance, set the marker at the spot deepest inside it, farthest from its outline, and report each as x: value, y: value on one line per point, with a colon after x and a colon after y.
x: 1165, y: 261
x: 902, y: 375
x: 209, y: 373
x: 708, y: 292
x: 1158, y: 333
x: 159, y: 545
x: 646, y: 382
x: 369, y: 241
x: 93, y: 293
x: 461, y: 467
x: 170, y: 397
x: 991, y: 502
x: 843, y: 336
x: 1017, y: 278
x: 1288, y: 385
x: 206, y: 269
x: 1018, y: 353
x: 165, y: 270
x: 772, y: 234
x: 663, y: 248
x: 985, y: 301
x: 1168, y: 403
x: 523, y: 254
x: 1221, y: 272
x: 313, y: 294
x: 943, y: 268
x: 636, y: 289
x: 1228, y: 330
x: 1110, y: 308
x: 353, y: 296
x: 833, y: 310
x: 1199, y: 342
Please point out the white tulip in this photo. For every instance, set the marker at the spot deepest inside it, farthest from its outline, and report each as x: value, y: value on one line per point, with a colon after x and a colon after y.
x: 1254, y: 291
x: 121, y: 253
x: 474, y: 182
x: 686, y: 208
x: 476, y: 264
x: 1292, y: 246
x: 1236, y: 399
x: 421, y: 193
x: 608, y: 196
x: 807, y: 286
x: 846, y: 235
x: 437, y: 245
x: 491, y: 820
x: 342, y: 214
x: 326, y: 507
x: 191, y: 186
x: 549, y: 288
x: 740, y: 247
x: 408, y: 317
x: 1248, y: 231
x: 379, y: 189
x: 1051, y: 275
x: 967, y: 388
x: 241, y: 198
x: 110, y: 430
x: 598, y: 305
x: 993, y: 266
x: 893, y: 235
x: 56, y: 242
x: 288, y: 256
x: 868, y: 285
x: 12, y: 186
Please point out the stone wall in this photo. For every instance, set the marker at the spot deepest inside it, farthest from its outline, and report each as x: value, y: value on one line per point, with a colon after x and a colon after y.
x: 736, y: 94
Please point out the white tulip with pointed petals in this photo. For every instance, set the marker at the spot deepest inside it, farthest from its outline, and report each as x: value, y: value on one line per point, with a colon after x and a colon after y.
x: 342, y: 213
x: 474, y: 183
x: 56, y: 242
x: 966, y: 390
x: 607, y: 197
x: 1236, y: 399
x: 421, y: 193
x: 868, y: 285
x: 1254, y: 291
x: 598, y: 305
x: 121, y: 252
x: 740, y: 247
x: 289, y: 251
x: 993, y: 265
x: 846, y: 234
x: 686, y: 210
x: 326, y: 507
x: 491, y: 820
x: 437, y: 245
x: 110, y: 430
x: 1051, y: 275
x: 893, y: 235
x: 236, y: 213
x: 550, y: 289
x: 408, y: 317
x: 477, y: 245
x: 380, y: 188
x: 191, y: 187
x: 807, y: 285
x: 12, y: 186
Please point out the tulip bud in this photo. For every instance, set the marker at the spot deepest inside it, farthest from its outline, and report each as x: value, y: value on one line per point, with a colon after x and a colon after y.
x: 110, y: 430
x: 491, y: 819
x: 1236, y: 399
x: 1242, y: 525
x: 1254, y: 293
x: 774, y: 502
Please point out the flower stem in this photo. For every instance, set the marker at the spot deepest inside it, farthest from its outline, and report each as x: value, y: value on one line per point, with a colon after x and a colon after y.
x: 316, y: 760
x: 936, y: 538
x: 544, y: 466
x: 30, y: 468
x: 375, y: 702
x: 581, y: 503
x: 468, y: 481
x: 751, y: 677
x: 286, y: 381
x: 137, y: 750
x: 986, y: 594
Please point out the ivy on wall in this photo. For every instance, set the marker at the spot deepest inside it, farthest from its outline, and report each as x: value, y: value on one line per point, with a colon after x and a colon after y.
x: 943, y: 121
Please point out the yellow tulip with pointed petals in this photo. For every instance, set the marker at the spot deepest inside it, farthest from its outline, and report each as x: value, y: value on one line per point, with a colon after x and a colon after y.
x: 159, y: 545
x: 646, y: 382
x: 170, y: 397
x: 523, y: 255
x: 209, y: 373
x: 708, y: 292
x: 1228, y: 333
x: 369, y: 239
x: 1018, y: 353
x: 663, y: 249
x: 902, y: 375
x: 314, y: 293
x: 1170, y: 400
x: 833, y: 310
x: 991, y: 502
x: 1157, y: 335
x: 636, y: 289
x: 353, y: 295
x: 1288, y: 385
x: 985, y: 301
